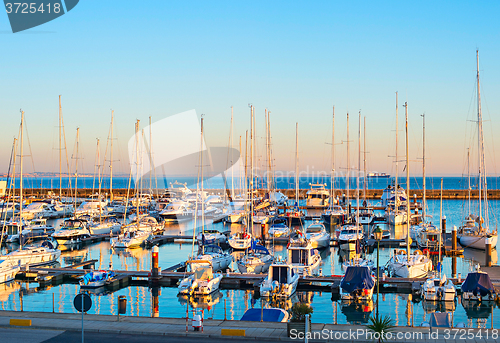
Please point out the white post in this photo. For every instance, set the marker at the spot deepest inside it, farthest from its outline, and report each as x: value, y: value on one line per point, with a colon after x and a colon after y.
x: 307, y: 328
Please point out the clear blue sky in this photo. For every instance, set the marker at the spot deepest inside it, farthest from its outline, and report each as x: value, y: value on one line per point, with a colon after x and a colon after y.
x: 297, y: 59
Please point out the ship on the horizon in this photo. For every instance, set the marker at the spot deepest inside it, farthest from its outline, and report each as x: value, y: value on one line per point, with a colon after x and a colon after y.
x: 378, y: 175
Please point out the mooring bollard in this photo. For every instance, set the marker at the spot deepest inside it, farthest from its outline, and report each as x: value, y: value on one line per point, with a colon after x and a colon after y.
x: 454, y: 238
x: 488, y: 251
x: 53, y: 309
x: 154, y: 265
x: 21, y: 298
x: 443, y: 225
x: 225, y: 309
x: 307, y: 328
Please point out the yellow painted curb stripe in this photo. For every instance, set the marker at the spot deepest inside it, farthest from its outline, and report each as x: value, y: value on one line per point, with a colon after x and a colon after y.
x: 20, y: 322
x: 232, y: 332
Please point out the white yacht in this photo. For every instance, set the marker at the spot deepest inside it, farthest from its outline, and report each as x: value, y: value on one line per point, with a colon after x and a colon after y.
x: 438, y: 288
x: 318, y: 237
x: 281, y: 281
x: 176, y: 211
x: 256, y: 261
x: 72, y: 231
x: 91, y: 208
x: 202, y: 282
x: 395, y: 215
x: 416, y: 265
x: 473, y: 235
x: 240, y: 240
x: 356, y: 261
x: 33, y: 256
x: 318, y: 196
x: 279, y: 230
x: 366, y: 216
x: 37, y: 229
x: 427, y: 236
x: 350, y: 237
x: 303, y: 257
x: 131, y: 238
x: 105, y: 225
x: 213, y: 253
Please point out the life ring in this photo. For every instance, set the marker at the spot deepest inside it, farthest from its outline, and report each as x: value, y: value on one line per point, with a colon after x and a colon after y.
x: 418, y: 252
x: 402, y: 252
x: 425, y: 251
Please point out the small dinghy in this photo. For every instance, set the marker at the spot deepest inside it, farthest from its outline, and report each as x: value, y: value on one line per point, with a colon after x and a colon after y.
x: 265, y: 315
x: 96, y: 279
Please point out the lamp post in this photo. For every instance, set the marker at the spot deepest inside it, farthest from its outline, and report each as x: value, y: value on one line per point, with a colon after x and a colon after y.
x: 378, y: 236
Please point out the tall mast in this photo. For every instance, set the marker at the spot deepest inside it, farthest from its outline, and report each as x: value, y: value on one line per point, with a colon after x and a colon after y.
x: 424, y: 199
x: 137, y: 186
x: 151, y: 164
x: 99, y: 178
x: 407, y: 187
x: 268, y: 181
x: 480, y: 141
x: 270, y: 165
x: 332, y: 187
x: 76, y: 163
x: 297, y: 163
x: 60, y: 150
x: 231, y: 145
x: 348, y: 180
x: 359, y: 168
x: 397, y: 162
x: 19, y: 225
x: 468, y: 177
x: 364, y: 158
x: 252, y: 133
x: 202, y: 198
x: 111, y: 159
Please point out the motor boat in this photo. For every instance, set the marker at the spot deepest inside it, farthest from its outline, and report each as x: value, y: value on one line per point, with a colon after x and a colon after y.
x: 357, y: 284
x: 213, y: 253
x: 396, y: 215
x: 335, y: 215
x: 96, y: 279
x: 256, y: 261
x: 281, y: 281
x: 202, y: 282
x: 176, y: 211
x: 33, y: 256
x: 366, y: 216
x: 37, y: 229
x: 46, y: 209
x: 303, y: 257
x: 278, y: 228
x: 351, y: 237
x: 105, y: 225
x: 428, y: 236
x: 416, y: 265
x: 72, y: 231
x: 318, y: 237
x: 240, y: 240
x: 438, y: 288
x: 478, y: 287
x: 318, y: 196
x: 356, y: 261
x: 91, y: 207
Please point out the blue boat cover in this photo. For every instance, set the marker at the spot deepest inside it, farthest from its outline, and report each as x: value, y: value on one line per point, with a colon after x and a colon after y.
x: 260, y: 249
x: 478, y: 284
x: 357, y: 278
x: 268, y: 315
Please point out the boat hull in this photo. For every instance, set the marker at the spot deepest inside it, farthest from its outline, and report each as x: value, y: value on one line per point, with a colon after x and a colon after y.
x: 477, y: 242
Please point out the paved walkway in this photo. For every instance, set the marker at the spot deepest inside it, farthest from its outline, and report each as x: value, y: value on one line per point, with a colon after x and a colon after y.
x: 253, y: 330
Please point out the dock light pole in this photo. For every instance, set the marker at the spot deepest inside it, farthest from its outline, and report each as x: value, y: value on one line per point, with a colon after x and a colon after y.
x: 378, y: 236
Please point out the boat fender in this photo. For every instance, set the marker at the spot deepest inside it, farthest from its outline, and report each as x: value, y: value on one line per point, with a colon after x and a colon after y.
x: 418, y: 252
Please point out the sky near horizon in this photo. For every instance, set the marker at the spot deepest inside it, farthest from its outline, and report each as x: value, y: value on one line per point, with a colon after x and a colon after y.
x: 297, y: 59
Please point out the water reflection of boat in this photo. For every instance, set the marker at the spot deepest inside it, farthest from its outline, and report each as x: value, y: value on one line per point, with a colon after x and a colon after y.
x: 438, y: 306
x: 477, y: 310
x: 479, y: 256
x: 203, y: 302
x: 98, y: 291
x: 283, y: 303
x: 357, y: 313
x: 8, y: 288
x: 73, y: 256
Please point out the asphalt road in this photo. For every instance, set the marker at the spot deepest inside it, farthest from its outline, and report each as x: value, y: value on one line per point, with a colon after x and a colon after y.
x: 17, y: 335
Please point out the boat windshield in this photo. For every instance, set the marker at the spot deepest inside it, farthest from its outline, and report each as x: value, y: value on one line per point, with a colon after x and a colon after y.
x: 314, y: 229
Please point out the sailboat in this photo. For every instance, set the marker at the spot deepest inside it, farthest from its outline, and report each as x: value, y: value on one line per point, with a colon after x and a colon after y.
x: 425, y: 234
x: 351, y: 234
x: 395, y: 214
x: 32, y: 256
x: 295, y: 216
x: 335, y: 214
x: 255, y: 261
x: 474, y: 232
x: 219, y: 260
x: 403, y: 263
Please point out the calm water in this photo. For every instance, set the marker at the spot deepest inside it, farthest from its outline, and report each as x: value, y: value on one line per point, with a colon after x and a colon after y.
x: 140, y: 299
